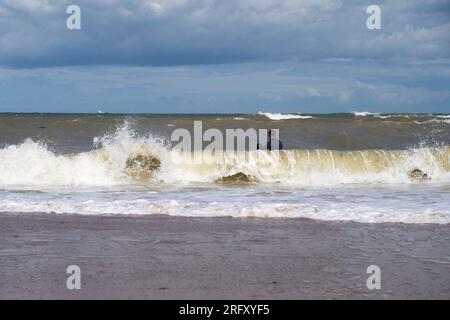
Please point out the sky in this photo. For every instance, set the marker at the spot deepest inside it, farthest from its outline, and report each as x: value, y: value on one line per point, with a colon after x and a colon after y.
x: 216, y: 56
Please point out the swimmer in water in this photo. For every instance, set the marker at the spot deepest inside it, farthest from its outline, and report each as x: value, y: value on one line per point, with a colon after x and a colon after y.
x: 274, y: 143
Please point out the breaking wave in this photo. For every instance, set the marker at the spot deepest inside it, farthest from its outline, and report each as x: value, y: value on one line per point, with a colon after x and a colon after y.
x: 303, y: 208
x: 124, y: 158
x: 433, y: 121
x: 281, y: 116
x: 364, y: 113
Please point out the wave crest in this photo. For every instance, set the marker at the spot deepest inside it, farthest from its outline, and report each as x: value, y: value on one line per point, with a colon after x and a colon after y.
x: 281, y: 116
x: 33, y: 164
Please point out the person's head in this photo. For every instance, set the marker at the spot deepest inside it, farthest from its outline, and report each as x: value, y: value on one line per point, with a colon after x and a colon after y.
x: 269, y: 134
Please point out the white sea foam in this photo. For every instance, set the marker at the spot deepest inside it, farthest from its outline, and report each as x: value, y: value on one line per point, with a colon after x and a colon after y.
x: 281, y: 116
x: 364, y: 113
x: 365, y: 186
x: 32, y: 164
x: 372, y: 114
x: 362, y: 205
x: 382, y: 117
x: 433, y: 121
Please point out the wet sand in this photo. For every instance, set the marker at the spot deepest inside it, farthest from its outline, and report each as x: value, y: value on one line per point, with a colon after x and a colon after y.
x: 161, y: 257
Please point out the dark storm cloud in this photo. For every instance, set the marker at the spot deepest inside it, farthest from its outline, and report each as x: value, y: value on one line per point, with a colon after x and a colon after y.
x: 176, y: 32
x: 236, y: 88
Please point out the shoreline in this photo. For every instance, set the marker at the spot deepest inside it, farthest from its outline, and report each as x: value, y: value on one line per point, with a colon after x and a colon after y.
x: 166, y: 257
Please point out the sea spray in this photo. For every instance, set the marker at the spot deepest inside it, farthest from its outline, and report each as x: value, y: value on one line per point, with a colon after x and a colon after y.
x: 380, y: 185
x: 32, y: 164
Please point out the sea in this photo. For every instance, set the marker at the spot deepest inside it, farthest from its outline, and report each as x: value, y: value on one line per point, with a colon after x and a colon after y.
x: 360, y: 166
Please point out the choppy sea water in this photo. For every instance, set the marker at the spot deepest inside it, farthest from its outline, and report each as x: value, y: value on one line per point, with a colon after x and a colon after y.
x: 334, y: 167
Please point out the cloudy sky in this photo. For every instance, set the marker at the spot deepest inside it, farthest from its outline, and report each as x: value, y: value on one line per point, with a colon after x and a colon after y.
x: 217, y: 56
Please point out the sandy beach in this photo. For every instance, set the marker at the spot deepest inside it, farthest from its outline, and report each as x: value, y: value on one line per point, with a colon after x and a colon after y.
x: 162, y: 257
